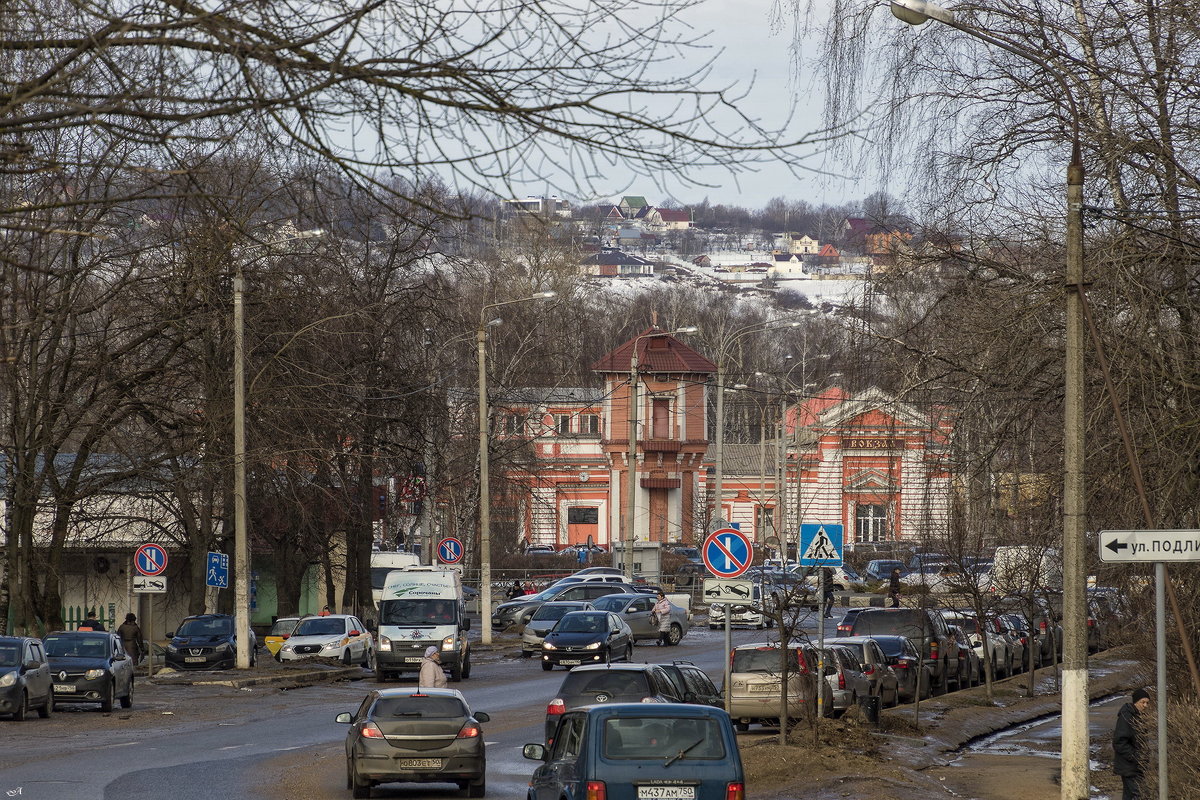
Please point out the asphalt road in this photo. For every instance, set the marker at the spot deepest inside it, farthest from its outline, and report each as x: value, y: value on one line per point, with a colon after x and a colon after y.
x: 200, y: 743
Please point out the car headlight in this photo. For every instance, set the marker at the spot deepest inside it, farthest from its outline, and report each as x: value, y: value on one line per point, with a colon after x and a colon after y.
x: 171, y: 648
x: 222, y: 647
x: 93, y: 674
x: 8, y: 678
x: 592, y: 646
x: 335, y: 643
x: 548, y: 646
x: 287, y: 648
x: 384, y: 642
x: 448, y: 643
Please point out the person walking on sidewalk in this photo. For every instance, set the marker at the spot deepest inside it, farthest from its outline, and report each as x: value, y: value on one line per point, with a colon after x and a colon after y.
x: 894, y: 587
x: 131, y: 638
x: 432, y: 676
x: 827, y: 587
x: 1128, y: 744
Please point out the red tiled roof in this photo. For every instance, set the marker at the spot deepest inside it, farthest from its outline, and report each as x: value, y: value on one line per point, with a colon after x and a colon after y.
x: 661, y: 353
x: 671, y: 215
x: 829, y: 251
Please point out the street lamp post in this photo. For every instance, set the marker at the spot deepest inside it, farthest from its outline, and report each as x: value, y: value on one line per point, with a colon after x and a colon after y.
x: 1074, y: 776
x: 627, y: 535
x: 485, y: 495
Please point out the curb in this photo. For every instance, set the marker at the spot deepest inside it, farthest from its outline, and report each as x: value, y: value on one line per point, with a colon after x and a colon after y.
x: 307, y: 678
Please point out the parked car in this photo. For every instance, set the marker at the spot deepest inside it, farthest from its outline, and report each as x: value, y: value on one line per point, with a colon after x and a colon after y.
x: 969, y: 672
x: 913, y: 678
x: 633, y: 750
x: 693, y: 684
x: 985, y: 639
x: 415, y: 735
x: 613, y: 683
x: 692, y: 554
x: 884, y: 683
x: 595, y: 577
x: 587, y: 637
x: 1031, y: 641
x: 848, y: 681
x: 206, y: 641
x: 90, y: 667
x: 519, y: 611
x: 543, y: 620
x: 926, y: 629
x: 881, y: 569
x: 846, y: 623
x: 281, y: 629
x: 843, y: 577
x: 788, y: 589
x: 756, y: 683
x: 540, y: 550
x: 1041, y: 621
x: 635, y: 610
x: 752, y: 612
x: 25, y: 681
x: 340, y: 636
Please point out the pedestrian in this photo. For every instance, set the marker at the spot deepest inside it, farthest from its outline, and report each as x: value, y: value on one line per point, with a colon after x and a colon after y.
x: 515, y: 590
x: 131, y: 638
x: 431, y: 676
x: 1128, y: 744
x: 661, y: 616
x: 894, y: 587
x: 827, y: 588
x: 90, y: 623
x: 324, y: 611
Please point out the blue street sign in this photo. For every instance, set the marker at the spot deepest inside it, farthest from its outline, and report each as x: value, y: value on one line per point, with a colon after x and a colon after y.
x: 150, y: 559
x: 217, y: 573
x: 727, y: 553
x: 450, y: 550
x: 821, y: 545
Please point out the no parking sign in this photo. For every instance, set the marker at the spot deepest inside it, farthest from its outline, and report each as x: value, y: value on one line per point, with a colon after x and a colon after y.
x: 727, y: 552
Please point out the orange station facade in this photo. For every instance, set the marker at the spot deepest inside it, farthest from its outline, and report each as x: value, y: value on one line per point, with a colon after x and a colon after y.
x: 869, y: 462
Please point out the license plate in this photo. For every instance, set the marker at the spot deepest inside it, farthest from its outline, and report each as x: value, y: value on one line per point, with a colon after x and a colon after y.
x: 666, y: 792
x: 570, y: 662
x: 420, y: 763
x: 764, y: 687
x: 413, y: 660
x: 194, y: 659
x: 65, y: 688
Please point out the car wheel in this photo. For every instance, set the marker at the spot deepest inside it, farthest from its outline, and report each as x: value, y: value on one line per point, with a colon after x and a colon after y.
x: 526, y: 654
x: 358, y: 787
x: 106, y: 699
x: 466, y: 670
x: 253, y: 657
x: 47, y: 707
x: 742, y: 726
x: 22, y: 710
x: 760, y: 625
x: 346, y: 657
x: 675, y: 635
x: 127, y: 700
x: 547, y: 666
x: 456, y: 672
x: 381, y: 676
x: 712, y: 627
x: 607, y: 656
x: 366, y: 659
x: 477, y: 788
x: 629, y: 652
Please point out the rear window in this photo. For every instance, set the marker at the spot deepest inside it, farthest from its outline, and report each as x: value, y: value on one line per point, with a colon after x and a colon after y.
x: 892, y: 647
x: 967, y: 624
x: 419, y: 707
x: 612, y: 682
x: 283, y: 626
x: 898, y: 622
x: 657, y: 738
x: 761, y: 659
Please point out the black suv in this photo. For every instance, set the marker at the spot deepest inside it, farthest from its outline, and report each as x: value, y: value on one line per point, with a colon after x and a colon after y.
x: 693, y: 684
x: 519, y: 611
x: 206, y: 641
x: 610, y: 683
x: 925, y: 628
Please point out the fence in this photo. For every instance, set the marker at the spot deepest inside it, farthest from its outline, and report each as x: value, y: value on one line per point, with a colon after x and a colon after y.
x: 73, y: 617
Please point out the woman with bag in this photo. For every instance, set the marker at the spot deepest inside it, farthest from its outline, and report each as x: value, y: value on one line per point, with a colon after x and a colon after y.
x: 662, y: 618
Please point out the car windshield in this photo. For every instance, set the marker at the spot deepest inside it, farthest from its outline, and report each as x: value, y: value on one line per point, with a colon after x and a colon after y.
x: 761, y: 659
x: 581, y: 623
x: 205, y: 627
x: 416, y: 611
x: 282, y: 627
x: 77, y: 646
x: 320, y: 626
x: 551, y: 613
x: 10, y: 655
x: 419, y: 705
x: 660, y: 738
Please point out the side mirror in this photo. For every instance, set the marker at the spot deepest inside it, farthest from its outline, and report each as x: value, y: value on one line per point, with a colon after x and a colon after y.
x: 355, y: 633
x: 536, y: 752
x: 170, y: 634
x: 30, y: 665
x: 483, y: 716
x: 466, y: 623
x: 343, y: 718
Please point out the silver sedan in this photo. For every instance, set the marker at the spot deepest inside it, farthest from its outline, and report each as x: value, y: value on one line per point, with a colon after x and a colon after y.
x: 635, y: 610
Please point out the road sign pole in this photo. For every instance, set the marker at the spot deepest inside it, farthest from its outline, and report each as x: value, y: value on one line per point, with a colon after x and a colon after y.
x: 1160, y: 645
x: 728, y: 656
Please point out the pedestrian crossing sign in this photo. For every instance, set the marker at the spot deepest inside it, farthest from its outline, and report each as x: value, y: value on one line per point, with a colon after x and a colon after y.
x: 821, y: 545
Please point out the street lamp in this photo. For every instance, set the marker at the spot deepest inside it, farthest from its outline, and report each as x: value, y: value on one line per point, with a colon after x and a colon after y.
x: 241, y: 544
x: 627, y: 536
x: 485, y: 497
x: 1074, y: 776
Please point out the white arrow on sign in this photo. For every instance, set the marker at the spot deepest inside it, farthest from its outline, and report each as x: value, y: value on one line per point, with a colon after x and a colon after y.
x: 1149, y: 546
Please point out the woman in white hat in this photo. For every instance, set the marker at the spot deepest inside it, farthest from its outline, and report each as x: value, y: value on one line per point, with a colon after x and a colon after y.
x: 432, y: 676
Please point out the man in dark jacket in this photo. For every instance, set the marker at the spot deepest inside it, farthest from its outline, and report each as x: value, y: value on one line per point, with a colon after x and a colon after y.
x: 1128, y: 744
x: 894, y: 587
x: 827, y: 585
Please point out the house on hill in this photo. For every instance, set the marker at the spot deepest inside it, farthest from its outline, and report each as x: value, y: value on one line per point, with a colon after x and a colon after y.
x: 611, y: 263
x: 632, y: 205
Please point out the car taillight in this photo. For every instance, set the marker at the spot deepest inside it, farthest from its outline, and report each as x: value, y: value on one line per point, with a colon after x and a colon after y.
x: 735, y: 791
x: 900, y: 665
x: 802, y: 662
x: 841, y: 679
x: 1042, y: 625
x: 933, y: 649
x: 596, y: 791
x: 1091, y: 622
x: 557, y: 706
x: 869, y: 670
x: 469, y: 731
x: 370, y: 730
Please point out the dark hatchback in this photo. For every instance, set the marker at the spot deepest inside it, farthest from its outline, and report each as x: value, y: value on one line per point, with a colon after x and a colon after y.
x: 587, y: 637
x: 24, y: 678
x: 206, y: 641
x: 90, y: 667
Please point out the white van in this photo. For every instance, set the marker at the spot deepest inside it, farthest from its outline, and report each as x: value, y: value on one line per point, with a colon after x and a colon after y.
x: 421, y: 606
x: 1027, y: 569
x: 383, y: 562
